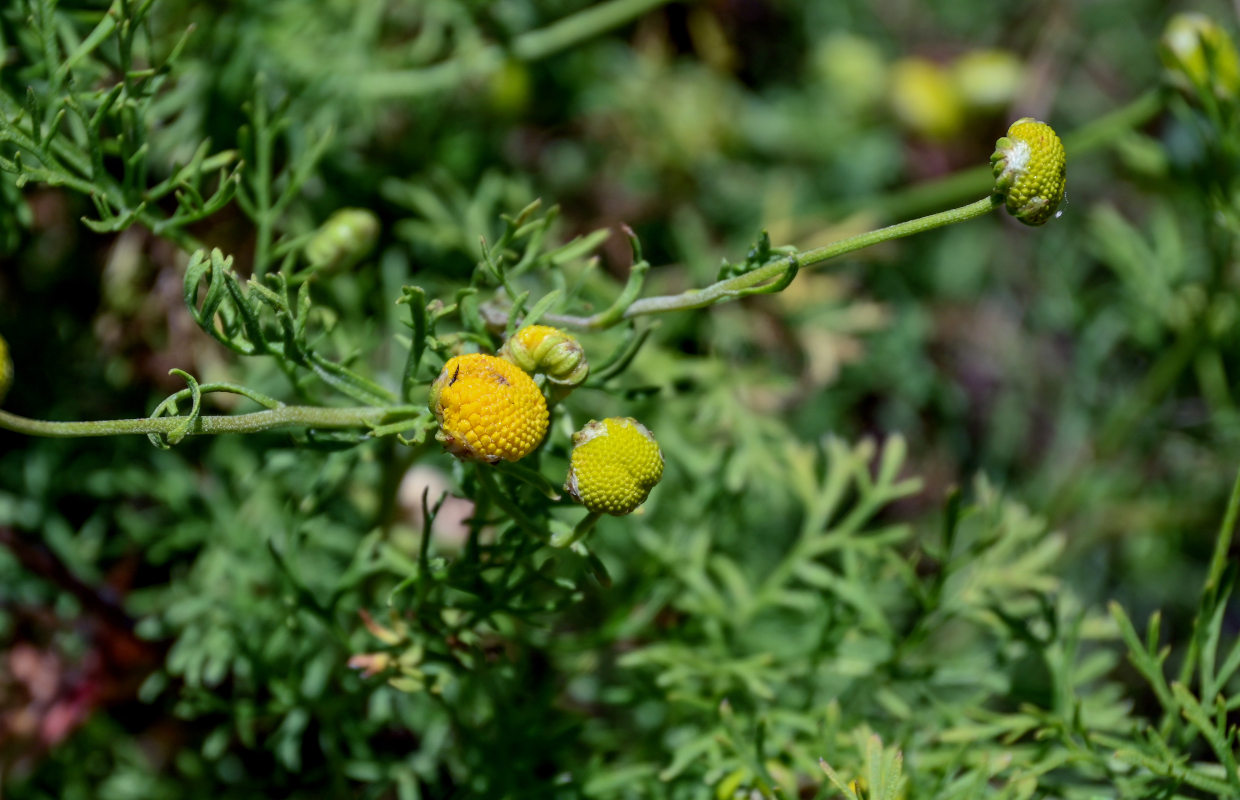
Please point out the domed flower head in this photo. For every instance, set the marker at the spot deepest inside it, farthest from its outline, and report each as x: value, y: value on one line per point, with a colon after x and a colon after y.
x: 1030, y: 169
x: 614, y: 465
x: 488, y: 409
x: 551, y: 351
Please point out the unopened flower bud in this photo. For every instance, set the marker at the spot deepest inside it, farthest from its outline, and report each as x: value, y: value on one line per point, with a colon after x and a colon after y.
x: 1199, y: 55
x: 551, y: 351
x: 344, y: 239
x: 1030, y: 168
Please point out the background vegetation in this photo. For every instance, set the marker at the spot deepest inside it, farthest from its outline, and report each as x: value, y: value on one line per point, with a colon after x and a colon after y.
x: 899, y: 495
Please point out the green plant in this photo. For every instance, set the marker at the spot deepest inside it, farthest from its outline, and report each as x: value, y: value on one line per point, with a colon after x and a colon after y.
x: 331, y: 605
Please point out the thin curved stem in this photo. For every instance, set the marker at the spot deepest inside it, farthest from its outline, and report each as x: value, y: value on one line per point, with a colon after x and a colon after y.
x: 283, y: 417
x: 1093, y: 135
x: 579, y: 531
x: 772, y: 272
x: 529, y: 46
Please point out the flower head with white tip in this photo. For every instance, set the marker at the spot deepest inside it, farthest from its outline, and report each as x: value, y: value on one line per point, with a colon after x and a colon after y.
x: 1030, y: 168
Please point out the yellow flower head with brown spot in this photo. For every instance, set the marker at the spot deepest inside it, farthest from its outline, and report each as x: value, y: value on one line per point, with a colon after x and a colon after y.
x: 614, y: 465
x: 488, y: 409
x: 1030, y: 168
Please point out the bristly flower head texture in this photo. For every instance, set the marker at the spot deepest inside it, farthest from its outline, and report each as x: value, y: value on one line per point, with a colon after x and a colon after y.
x: 1030, y: 168
x: 614, y: 465
x: 488, y: 409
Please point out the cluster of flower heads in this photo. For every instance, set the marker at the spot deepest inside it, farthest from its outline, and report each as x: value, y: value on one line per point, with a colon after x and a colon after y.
x: 490, y: 409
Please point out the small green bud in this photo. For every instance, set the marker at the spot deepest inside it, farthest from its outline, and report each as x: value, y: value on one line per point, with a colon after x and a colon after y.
x: 509, y: 89
x: 1200, y: 56
x: 1030, y: 168
x: 344, y: 239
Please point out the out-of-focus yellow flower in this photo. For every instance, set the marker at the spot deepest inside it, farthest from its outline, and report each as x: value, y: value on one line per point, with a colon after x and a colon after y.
x: 924, y: 99
x: 852, y: 68
x: 988, y: 80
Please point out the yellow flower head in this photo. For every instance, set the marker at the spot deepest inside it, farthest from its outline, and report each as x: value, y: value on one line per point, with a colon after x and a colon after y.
x: 488, y: 409
x: 1030, y: 168
x: 614, y: 465
x: 550, y: 351
x: 6, y: 368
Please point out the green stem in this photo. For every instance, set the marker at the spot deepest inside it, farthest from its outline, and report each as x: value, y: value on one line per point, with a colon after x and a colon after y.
x: 491, y: 487
x: 733, y: 287
x: 529, y: 46
x: 579, y: 531
x: 1219, y: 561
x: 285, y: 416
x: 1122, y: 420
x: 1209, y: 592
x: 81, y: 178
x: 1108, y: 127
x: 263, y: 146
x: 585, y: 24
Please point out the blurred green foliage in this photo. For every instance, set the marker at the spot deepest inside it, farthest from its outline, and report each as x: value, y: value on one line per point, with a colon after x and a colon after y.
x: 898, y: 494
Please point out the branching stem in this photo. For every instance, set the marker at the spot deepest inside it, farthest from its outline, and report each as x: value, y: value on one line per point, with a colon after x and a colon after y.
x: 256, y: 422
x: 772, y: 272
x: 530, y: 46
